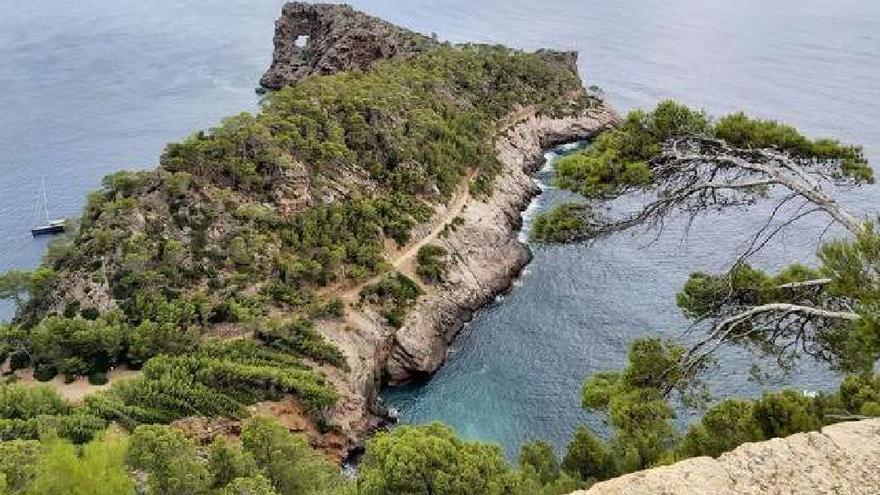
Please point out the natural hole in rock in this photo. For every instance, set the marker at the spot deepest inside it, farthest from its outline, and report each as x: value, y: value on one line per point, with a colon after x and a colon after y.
x: 301, y: 40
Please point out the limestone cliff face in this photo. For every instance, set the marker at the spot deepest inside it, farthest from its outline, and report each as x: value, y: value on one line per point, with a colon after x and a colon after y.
x: 485, y: 258
x: 325, y: 39
x: 841, y: 459
x: 485, y: 255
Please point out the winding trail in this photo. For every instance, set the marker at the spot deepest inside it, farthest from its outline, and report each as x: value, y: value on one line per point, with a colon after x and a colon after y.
x: 455, y: 208
x: 80, y: 388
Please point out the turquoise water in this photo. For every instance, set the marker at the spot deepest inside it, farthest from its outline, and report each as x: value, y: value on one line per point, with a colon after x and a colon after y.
x: 92, y: 86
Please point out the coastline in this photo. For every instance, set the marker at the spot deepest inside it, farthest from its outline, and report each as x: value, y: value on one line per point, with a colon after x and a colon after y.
x: 486, y: 256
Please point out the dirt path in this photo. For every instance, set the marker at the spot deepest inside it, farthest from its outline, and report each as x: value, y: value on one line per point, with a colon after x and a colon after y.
x: 459, y: 201
x: 78, y: 389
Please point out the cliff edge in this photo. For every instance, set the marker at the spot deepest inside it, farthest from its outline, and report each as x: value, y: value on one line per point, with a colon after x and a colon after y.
x: 843, y: 458
x: 315, y: 39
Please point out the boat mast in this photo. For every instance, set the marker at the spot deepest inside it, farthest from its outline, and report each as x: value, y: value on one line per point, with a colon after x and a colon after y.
x: 45, y: 199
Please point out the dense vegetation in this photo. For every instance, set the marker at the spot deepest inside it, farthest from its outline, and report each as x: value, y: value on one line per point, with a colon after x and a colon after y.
x: 568, y: 222
x: 619, y: 161
x: 243, y: 227
x: 432, y: 263
x: 250, y: 225
x: 640, y: 410
x: 160, y: 460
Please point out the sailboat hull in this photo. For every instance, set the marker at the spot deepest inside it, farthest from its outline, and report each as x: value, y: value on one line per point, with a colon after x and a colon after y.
x: 47, y: 230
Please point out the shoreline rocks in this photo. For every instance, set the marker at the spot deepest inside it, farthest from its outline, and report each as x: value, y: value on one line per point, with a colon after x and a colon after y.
x: 485, y: 257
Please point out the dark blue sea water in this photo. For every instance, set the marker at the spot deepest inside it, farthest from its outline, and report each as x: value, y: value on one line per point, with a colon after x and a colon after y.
x: 92, y: 86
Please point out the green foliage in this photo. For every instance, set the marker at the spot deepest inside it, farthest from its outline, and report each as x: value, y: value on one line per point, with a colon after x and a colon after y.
x: 227, y: 462
x: 15, y: 285
x: 18, y: 464
x: 300, y: 338
x: 431, y: 460
x: 637, y: 403
x: 288, y: 461
x: 151, y: 339
x: 98, y: 378
x: 256, y: 485
x: 432, y: 263
x: 76, y: 427
x: 860, y: 394
x: 76, y: 346
x: 617, y: 160
x: 170, y: 461
x: 539, y: 457
x: 742, y: 131
x: 394, y: 294
x: 847, y: 264
x: 25, y: 402
x: 724, y: 427
x: 566, y: 222
x: 784, y: 413
x: 98, y: 469
x: 587, y: 457
x: 175, y: 387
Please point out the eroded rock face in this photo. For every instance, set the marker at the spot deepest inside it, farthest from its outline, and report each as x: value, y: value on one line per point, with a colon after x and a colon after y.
x: 325, y: 39
x: 485, y: 258
x: 485, y: 254
x: 841, y: 459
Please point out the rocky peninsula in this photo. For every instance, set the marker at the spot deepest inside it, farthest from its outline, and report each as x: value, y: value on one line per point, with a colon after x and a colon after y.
x: 275, y: 264
x: 479, y: 233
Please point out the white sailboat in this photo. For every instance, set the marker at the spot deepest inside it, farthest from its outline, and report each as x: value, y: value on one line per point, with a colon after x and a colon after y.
x: 51, y: 226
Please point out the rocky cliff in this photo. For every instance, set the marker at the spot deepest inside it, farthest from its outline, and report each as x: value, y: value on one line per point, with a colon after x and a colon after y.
x: 841, y: 459
x: 486, y: 255
x: 326, y: 38
x: 485, y: 259
x: 480, y: 234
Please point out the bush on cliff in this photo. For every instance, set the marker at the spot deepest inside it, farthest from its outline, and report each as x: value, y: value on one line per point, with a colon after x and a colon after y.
x: 567, y: 222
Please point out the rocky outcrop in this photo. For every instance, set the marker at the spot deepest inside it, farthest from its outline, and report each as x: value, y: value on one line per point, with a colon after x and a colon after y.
x: 485, y: 258
x: 485, y: 255
x: 325, y: 39
x: 841, y: 459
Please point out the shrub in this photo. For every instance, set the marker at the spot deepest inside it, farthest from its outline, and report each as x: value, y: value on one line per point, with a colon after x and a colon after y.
x: 23, y: 402
x: 19, y: 360
x: 587, y: 457
x: 432, y: 264
x: 98, y: 378
x: 45, y: 372
x: 566, y: 222
x: 394, y: 294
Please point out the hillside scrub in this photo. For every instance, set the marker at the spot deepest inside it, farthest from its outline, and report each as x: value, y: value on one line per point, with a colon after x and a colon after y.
x: 254, y: 217
x: 432, y: 263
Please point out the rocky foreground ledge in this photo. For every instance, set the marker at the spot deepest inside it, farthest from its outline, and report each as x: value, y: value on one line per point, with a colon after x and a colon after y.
x: 842, y: 459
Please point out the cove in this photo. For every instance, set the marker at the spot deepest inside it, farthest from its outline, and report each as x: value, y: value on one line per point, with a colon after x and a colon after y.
x: 515, y: 371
